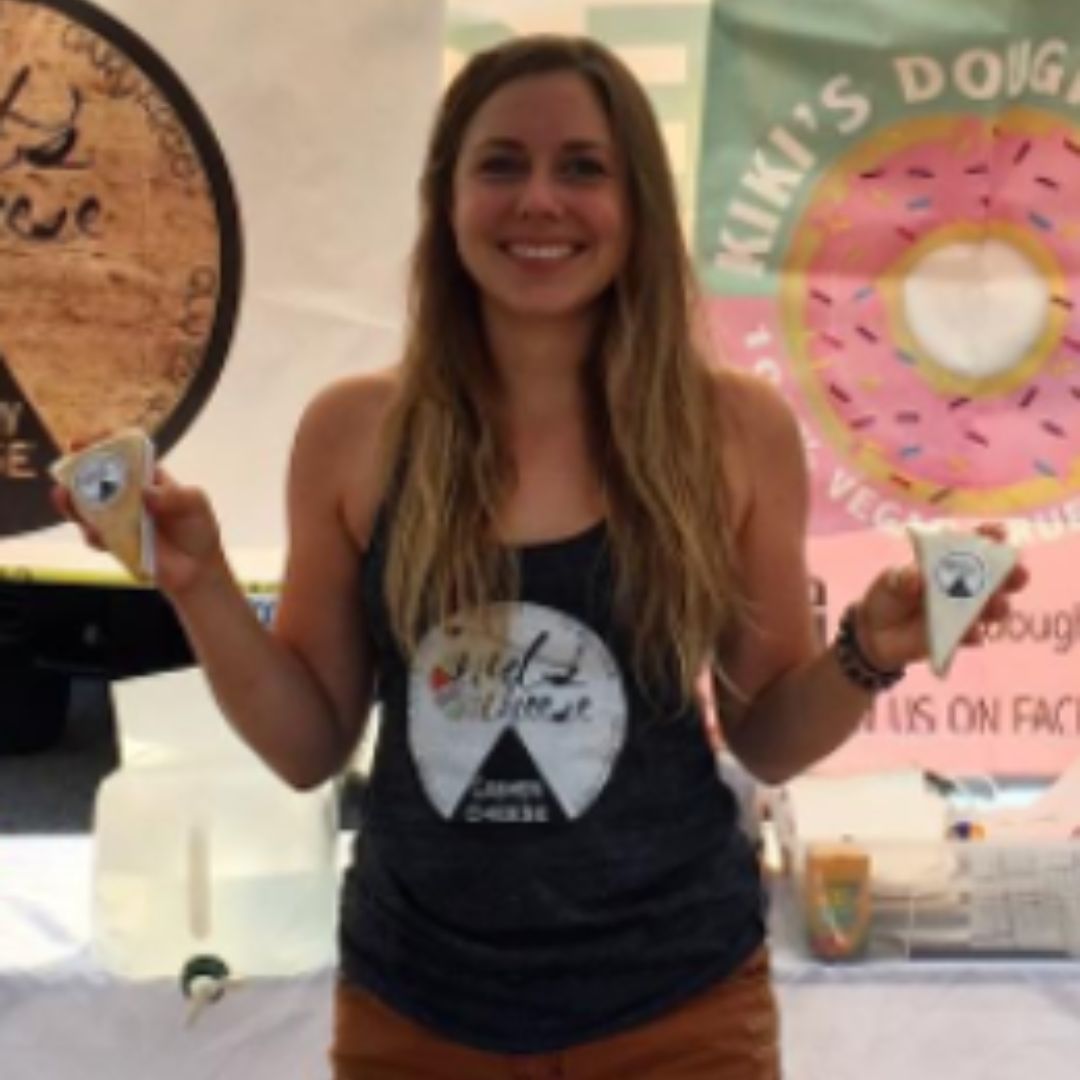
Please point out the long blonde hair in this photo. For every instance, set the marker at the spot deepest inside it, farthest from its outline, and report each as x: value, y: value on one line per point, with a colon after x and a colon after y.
x: 653, y: 421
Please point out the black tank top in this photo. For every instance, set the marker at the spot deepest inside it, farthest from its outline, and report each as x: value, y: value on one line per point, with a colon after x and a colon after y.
x: 547, y: 853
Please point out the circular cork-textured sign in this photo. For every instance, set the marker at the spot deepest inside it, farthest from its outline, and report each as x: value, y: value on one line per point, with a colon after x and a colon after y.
x: 120, y: 253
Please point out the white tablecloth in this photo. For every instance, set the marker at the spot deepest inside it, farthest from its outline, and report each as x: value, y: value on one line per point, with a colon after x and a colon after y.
x: 63, y: 1018
x: 925, y: 1020
x: 969, y: 1018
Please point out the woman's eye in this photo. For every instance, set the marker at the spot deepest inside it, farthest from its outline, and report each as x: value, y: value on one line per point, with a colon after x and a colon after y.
x: 500, y: 165
x: 584, y: 168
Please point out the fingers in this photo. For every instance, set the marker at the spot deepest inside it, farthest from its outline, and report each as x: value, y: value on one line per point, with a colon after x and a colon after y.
x: 993, y: 530
x: 60, y: 497
x: 1018, y: 577
x: 998, y: 607
x: 166, y: 498
x: 902, y: 581
x: 996, y: 611
x: 184, y: 520
x: 160, y: 477
x: 894, y: 595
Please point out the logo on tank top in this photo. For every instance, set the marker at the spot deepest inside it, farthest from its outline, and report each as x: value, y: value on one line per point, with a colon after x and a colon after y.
x: 516, y: 722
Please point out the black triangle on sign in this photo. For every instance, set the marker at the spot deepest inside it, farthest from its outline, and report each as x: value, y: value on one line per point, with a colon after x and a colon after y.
x: 26, y: 451
x: 509, y: 790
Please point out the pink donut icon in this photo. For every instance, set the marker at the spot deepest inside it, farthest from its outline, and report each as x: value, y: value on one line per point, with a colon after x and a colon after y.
x: 930, y: 304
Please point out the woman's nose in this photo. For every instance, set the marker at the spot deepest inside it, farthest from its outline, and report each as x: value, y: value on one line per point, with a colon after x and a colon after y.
x: 540, y: 196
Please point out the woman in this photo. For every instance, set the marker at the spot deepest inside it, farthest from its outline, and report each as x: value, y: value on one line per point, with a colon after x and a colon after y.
x: 533, y: 536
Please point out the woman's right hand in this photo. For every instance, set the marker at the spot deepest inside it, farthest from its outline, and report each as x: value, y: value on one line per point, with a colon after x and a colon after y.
x: 187, y: 540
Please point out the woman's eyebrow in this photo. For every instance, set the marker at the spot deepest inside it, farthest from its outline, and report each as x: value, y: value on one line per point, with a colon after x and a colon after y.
x: 505, y: 142
x: 499, y: 142
x: 579, y: 145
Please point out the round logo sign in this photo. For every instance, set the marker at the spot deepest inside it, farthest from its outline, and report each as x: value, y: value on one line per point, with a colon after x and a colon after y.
x: 120, y: 250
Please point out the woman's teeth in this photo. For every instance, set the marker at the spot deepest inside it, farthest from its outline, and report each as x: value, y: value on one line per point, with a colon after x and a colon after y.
x: 541, y: 251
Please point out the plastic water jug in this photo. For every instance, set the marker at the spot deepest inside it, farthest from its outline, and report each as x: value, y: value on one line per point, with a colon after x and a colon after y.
x: 200, y: 850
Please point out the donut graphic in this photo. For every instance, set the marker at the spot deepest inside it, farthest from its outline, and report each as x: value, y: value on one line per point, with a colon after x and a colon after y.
x: 120, y: 252
x: 930, y: 307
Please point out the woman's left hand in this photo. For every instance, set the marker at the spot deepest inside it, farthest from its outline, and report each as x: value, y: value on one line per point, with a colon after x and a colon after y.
x: 890, y: 620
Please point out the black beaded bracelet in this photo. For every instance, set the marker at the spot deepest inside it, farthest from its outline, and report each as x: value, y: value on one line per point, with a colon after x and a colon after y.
x: 853, y: 662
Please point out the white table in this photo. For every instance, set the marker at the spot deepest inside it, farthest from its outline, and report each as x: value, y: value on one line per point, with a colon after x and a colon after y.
x: 63, y: 1018
x: 898, y: 1019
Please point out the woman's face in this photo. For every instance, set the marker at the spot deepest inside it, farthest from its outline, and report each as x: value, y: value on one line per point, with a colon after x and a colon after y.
x: 540, y: 209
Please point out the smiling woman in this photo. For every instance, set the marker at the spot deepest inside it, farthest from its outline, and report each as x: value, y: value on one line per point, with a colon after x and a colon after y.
x: 535, y: 536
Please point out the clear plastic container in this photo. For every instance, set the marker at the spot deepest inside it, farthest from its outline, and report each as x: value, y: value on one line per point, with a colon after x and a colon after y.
x: 223, y: 860
x: 955, y: 898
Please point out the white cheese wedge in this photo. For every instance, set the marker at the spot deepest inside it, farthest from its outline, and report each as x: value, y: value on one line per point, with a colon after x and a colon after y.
x: 106, y: 481
x: 961, y: 571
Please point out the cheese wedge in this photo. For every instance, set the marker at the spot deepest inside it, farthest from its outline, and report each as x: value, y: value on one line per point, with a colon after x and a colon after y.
x: 961, y: 571
x: 106, y: 481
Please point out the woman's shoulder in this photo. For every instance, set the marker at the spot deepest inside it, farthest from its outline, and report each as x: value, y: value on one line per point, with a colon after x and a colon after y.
x: 338, y: 446
x: 749, y: 404
x: 762, y: 442
x: 357, y: 404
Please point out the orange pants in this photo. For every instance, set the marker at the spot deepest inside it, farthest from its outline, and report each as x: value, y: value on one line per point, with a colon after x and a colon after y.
x: 729, y: 1032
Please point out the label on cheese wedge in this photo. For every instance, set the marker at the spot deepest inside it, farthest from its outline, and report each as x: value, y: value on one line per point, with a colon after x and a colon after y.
x: 106, y: 481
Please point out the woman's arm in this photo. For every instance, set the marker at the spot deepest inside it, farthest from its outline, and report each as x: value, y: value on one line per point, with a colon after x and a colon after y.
x: 299, y: 694
x: 794, y: 704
